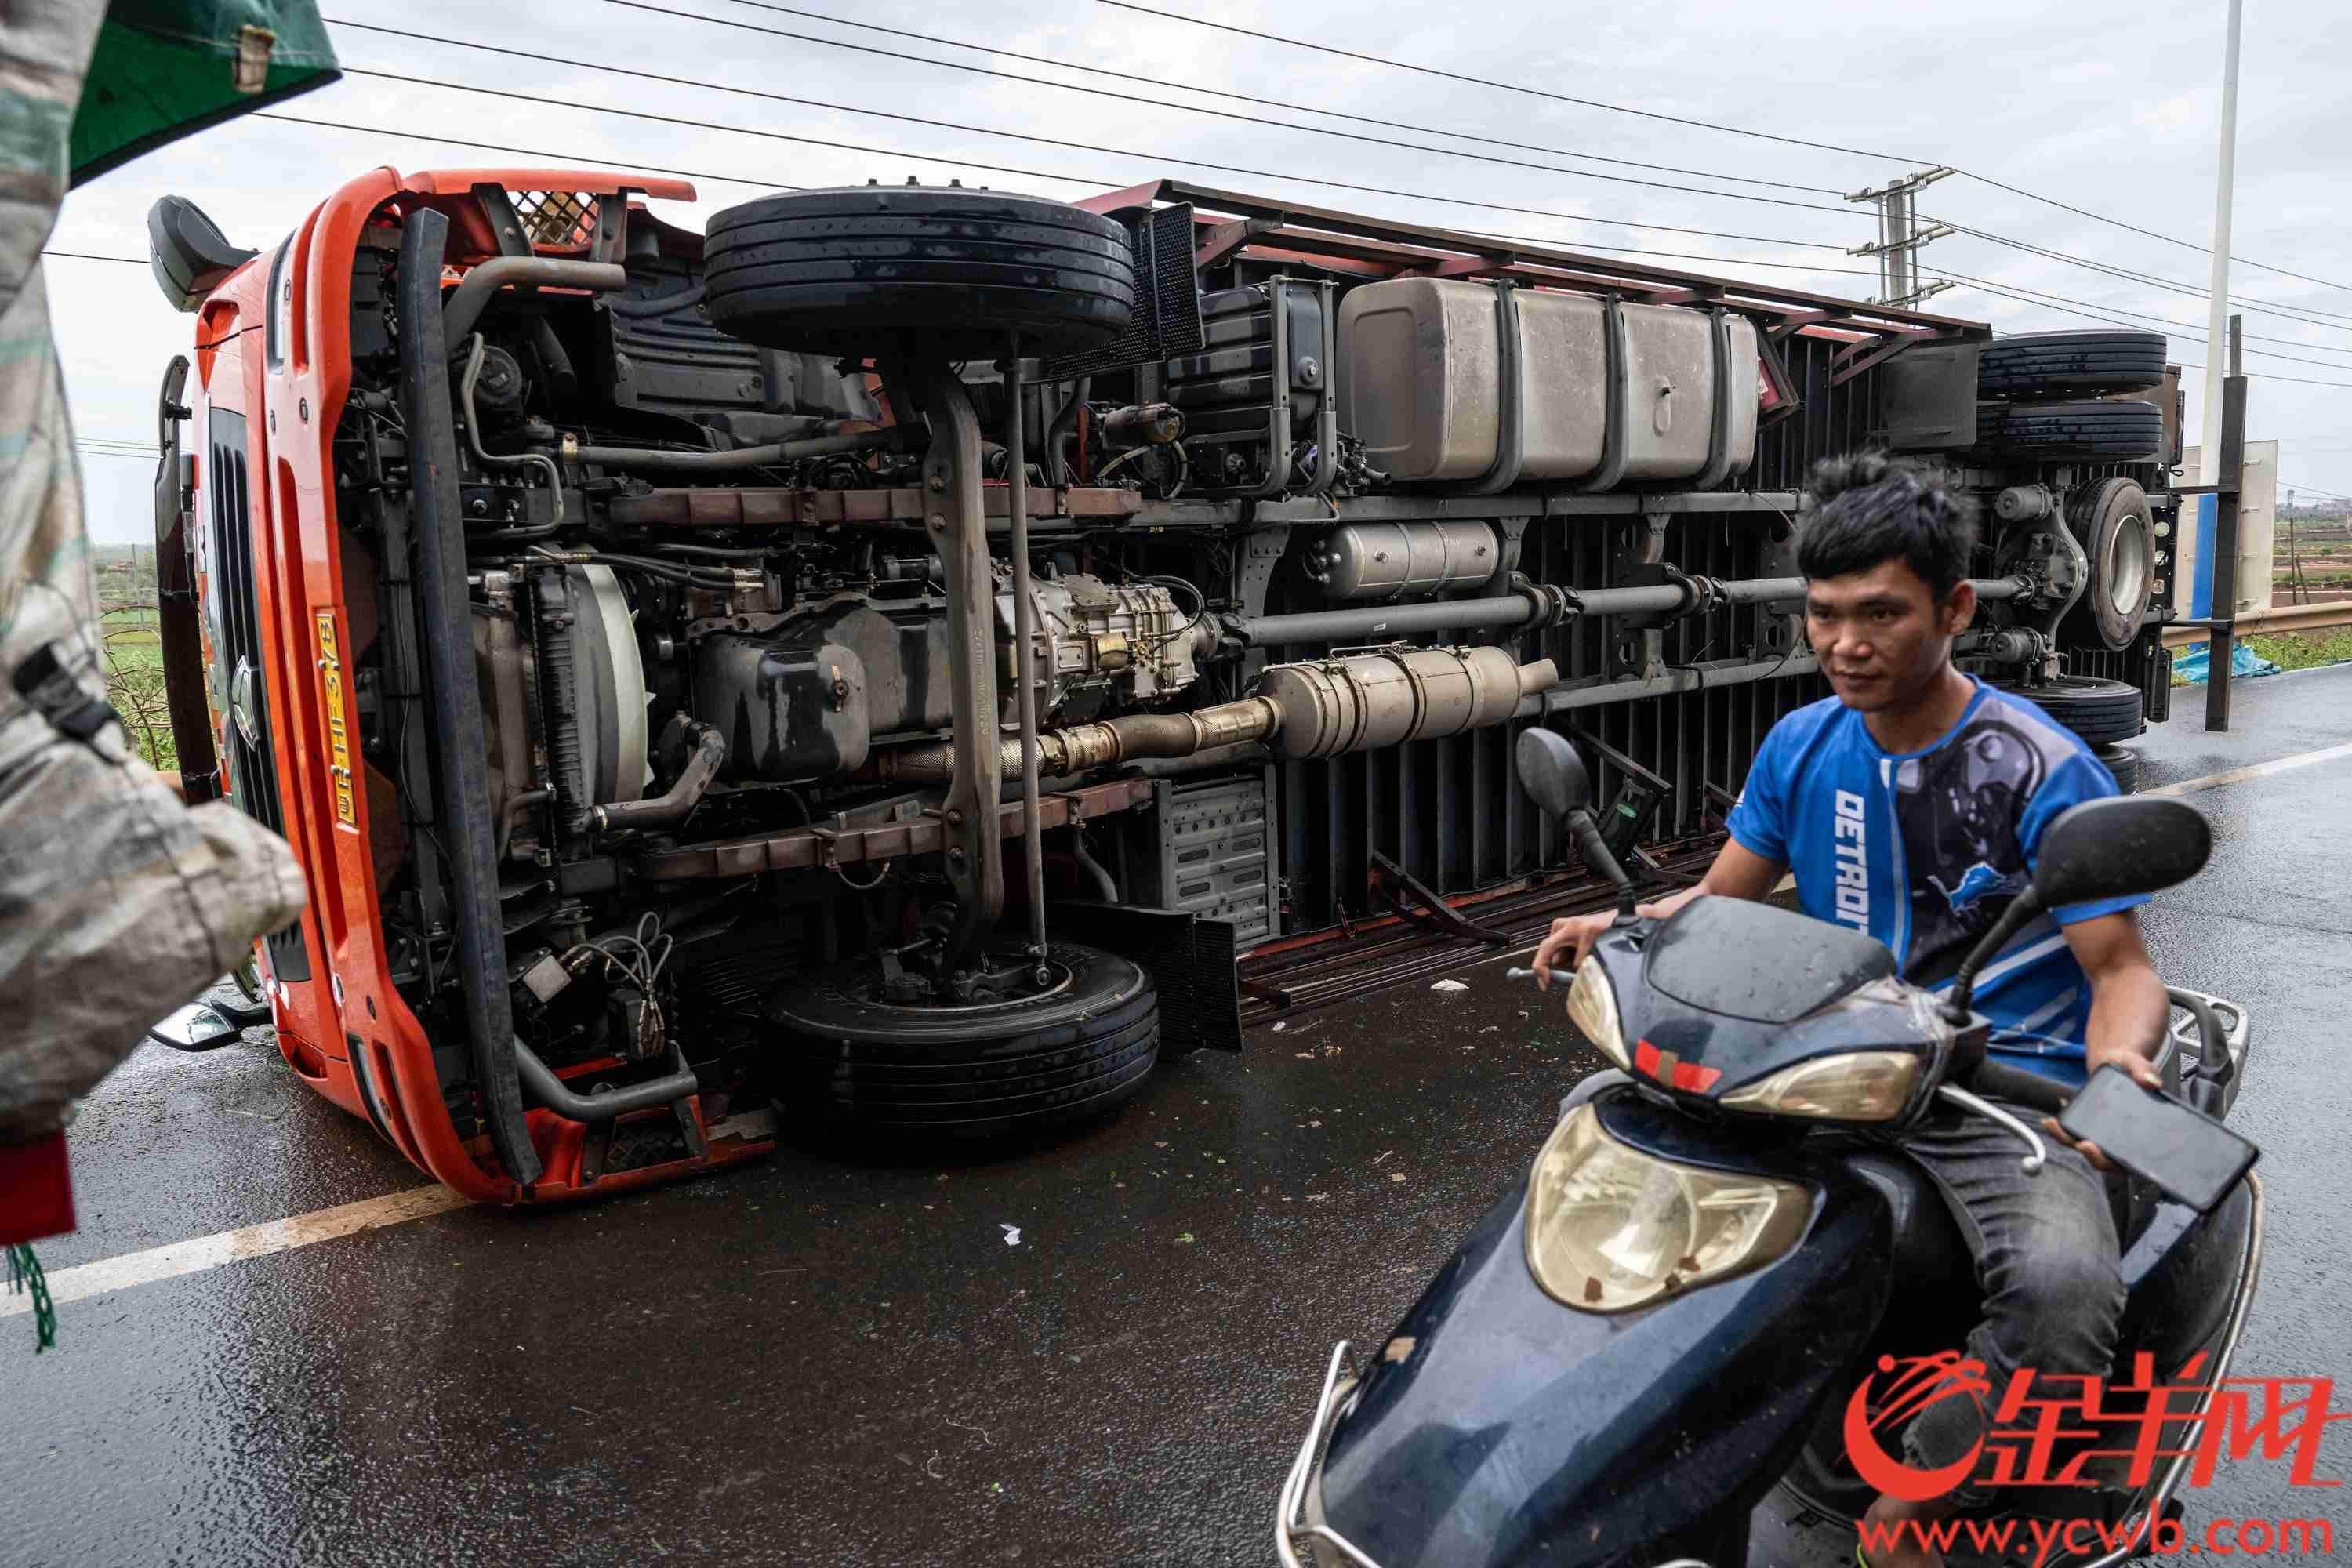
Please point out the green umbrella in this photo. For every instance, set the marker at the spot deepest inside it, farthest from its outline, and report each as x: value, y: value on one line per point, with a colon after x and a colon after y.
x: 164, y: 68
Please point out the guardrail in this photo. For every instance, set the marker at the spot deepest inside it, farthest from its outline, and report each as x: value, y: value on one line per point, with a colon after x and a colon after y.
x: 2278, y: 618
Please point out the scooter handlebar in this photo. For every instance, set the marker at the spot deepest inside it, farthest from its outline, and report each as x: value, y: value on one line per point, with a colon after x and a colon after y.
x: 1558, y: 976
x: 2020, y: 1086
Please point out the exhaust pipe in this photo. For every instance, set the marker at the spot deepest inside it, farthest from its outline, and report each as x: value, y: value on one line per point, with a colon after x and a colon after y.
x: 1327, y: 708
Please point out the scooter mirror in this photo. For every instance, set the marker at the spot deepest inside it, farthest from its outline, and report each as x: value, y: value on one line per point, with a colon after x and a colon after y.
x: 1552, y: 773
x: 198, y: 1026
x: 2125, y: 844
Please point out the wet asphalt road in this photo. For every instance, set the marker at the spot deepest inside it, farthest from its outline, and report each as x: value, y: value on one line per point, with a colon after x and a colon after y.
x: 810, y: 1363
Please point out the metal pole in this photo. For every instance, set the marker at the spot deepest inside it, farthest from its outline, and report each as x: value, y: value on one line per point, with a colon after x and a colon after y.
x: 1024, y: 652
x: 2222, y: 649
x: 1887, y: 243
x: 1898, y: 259
x: 2217, y: 307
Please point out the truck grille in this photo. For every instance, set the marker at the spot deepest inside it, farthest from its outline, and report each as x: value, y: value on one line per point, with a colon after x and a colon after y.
x: 252, y: 761
x: 556, y: 218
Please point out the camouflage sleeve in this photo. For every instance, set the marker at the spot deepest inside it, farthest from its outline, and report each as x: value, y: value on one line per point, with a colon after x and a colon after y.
x: 117, y: 902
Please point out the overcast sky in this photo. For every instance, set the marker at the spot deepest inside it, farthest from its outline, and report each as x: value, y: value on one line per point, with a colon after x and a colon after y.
x: 2108, y: 105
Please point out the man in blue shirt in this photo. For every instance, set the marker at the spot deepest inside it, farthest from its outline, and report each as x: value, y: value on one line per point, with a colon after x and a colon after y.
x: 1910, y: 805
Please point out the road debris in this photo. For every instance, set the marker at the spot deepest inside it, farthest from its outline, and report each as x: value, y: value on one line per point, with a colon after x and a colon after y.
x: 1449, y: 985
x: 1011, y: 1234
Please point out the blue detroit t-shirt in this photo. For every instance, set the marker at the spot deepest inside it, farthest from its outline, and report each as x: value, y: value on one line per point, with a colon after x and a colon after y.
x: 1925, y: 849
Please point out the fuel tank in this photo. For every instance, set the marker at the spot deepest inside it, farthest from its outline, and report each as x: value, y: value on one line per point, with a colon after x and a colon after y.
x: 1499, y: 1428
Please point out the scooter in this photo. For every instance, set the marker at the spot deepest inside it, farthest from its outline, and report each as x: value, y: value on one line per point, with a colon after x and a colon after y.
x: 1647, y: 1356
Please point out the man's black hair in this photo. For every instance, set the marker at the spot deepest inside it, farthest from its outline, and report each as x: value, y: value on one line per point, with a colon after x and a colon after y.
x: 1869, y: 508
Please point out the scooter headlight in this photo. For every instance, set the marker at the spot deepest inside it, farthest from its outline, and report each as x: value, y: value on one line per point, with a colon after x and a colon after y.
x: 1854, y: 1086
x: 1611, y: 1227
x: 1592, y: 1008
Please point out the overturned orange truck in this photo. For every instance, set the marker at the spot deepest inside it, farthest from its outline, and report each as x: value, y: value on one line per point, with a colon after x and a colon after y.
x: 874, y: 668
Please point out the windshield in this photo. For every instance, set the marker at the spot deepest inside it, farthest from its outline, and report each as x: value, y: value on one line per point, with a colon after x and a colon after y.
x: 1752, y: 961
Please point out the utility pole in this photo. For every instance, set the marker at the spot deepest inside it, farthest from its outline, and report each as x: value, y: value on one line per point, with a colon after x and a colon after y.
x: 2216, y: 322
x: 1899, y: 238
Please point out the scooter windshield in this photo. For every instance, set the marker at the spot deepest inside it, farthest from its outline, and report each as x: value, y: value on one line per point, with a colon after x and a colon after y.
x: 1752, y: 961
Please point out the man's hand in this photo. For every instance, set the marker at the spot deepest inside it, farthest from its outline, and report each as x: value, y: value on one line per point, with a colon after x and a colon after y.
x: 1738, y: 873
x: 1576, y: 932
x: 1581, y: 931
x: 2143, y: 1072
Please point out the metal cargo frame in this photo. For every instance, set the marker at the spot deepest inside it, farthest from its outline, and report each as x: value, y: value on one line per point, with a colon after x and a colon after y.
x: 1449, y: 812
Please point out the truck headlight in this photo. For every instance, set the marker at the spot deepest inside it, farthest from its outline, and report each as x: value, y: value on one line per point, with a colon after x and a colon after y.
x: 1855, y: 1086
x: 1611, y: 1229
x: 1592, y: 1008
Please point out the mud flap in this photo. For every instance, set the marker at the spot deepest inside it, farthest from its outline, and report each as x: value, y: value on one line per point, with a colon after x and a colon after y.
x: 1193, y: 966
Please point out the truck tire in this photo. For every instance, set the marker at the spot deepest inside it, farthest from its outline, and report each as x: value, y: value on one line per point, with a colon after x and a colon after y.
x: 2112, y: 430
x: 2110, y: 522
x: 2099, y: 712
x: 2124, y: 763
x: 884, y: 269
x: 2070, y: 364
x: 851, y: 1061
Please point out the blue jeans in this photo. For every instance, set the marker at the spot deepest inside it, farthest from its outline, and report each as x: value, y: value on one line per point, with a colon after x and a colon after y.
x: 2046, y: 1259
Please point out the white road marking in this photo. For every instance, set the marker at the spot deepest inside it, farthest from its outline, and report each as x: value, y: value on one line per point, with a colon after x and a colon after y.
x: 2259, y: 770
x: 206, y: 1252
x: 235, y: 1245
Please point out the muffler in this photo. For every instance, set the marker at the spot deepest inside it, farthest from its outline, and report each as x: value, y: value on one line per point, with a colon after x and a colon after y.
x: 1325, y: 707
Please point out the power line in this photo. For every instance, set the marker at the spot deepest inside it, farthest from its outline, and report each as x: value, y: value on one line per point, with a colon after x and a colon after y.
x: 1164, y: 84
x: 700, y: 86
x: 2266, y: 306
x: 1025, y: 174
x: 2135, y: 228
x: 1309, y: 109
x: 2060, y: 302
x: 623, y: 165
x: 2200, y: 342
x: 1509, y: 87
x: 2198, y: 327
x: 2049, y: 301
x: 985, y: 130
x: 1678, y: 119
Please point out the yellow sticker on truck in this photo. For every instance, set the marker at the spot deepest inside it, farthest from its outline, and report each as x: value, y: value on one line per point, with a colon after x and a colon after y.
x: 339, y: 734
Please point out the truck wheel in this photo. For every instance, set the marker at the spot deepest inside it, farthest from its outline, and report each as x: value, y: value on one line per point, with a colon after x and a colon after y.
x: 2070, y: 364
x: 852, y: 1060
x: 2124, y: 763
x: 2098, y: 710
x: 877, y: 269
x: 2114, y: 430
x: 2111, y: 522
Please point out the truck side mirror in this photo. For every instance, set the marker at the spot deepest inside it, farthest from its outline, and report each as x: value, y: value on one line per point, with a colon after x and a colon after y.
x: 1552, y: 773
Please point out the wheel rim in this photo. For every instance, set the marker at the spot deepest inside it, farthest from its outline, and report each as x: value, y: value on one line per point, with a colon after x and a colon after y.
x: 2123, y: 566
x: 866, y: 987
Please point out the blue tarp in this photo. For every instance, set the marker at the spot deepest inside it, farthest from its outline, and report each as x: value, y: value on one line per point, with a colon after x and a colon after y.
x: 2188, y: 663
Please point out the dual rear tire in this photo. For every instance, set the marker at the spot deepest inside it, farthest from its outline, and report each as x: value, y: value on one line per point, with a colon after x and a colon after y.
x: 851, y: 1061
x: 907, y: 269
